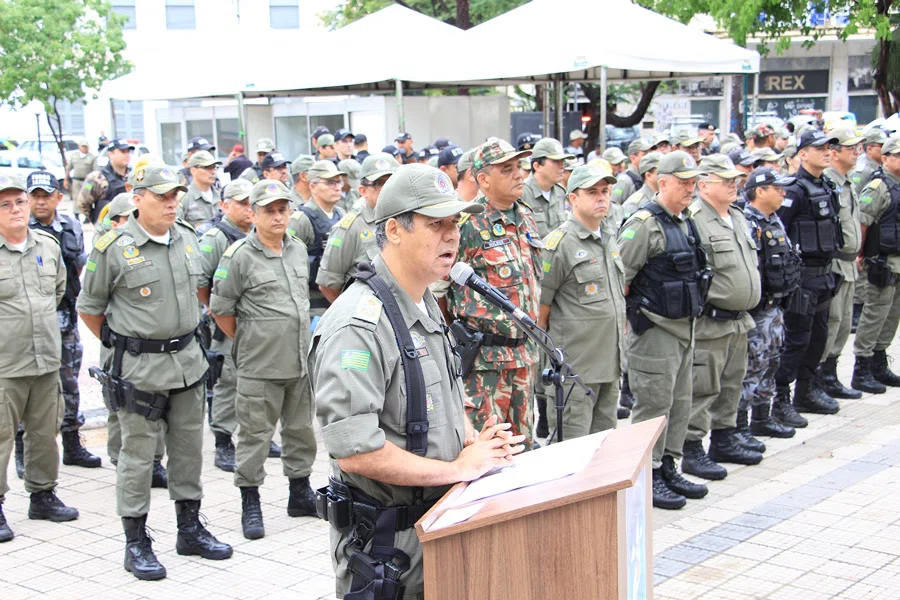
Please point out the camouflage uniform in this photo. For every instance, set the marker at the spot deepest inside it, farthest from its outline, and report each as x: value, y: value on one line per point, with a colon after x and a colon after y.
x: 765, y: 342
x: 97, y: 192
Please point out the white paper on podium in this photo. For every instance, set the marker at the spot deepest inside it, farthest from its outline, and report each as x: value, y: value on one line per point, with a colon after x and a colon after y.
x: 452, y: 516
x: 546, y: 464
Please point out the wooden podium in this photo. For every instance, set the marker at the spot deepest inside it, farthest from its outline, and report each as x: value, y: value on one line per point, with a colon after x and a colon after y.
x: 588, y: 535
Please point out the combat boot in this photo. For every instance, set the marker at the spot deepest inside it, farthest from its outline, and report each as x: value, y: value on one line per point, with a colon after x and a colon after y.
x: 626, y: 398
x: 6, y: 533
x: 881, y: 371
x: 224, y: 453
x: 761, y: 423
x: 863, y: 380
x: 831, y: 384
x: 20, y: 454
x: 622, y: 412
x: 744, y: 437
x: 725, y: 447
x: 74, y: 454
x: 160, y: 476
x: 302, y: 500
x: 677, y: 483
x: 274, y: 450
x: 45, y: 506
x: 140, y: 560
x: 663, y: 497
x: 251, y: 514
x: 806, y: 399
x: 193, y: 538
x: 783, y: 410
x: 543, y: 427
x: 854, y: 320
x: 695, y: 461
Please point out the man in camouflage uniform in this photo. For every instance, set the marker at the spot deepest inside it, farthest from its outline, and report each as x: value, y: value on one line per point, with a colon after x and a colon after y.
x: 200, y: 204
x: 650, y: 187
x: 352, y: 240
x: 583, y: 301
x: 82, y: 162
x: 503, y: 246
x: 630, y: 180
x: 300, y: 194
x: 104, y: 184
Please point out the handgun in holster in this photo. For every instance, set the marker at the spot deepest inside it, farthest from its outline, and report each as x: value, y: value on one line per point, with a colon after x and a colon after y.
x: 468, y: 345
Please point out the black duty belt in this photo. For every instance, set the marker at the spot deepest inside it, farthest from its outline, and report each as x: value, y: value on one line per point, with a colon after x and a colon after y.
x: 137, y: 346
x: 814, y: 270
x: 492, y: 339
x: 768, y: 302
x: 720, y: 314
x: 847, y: 256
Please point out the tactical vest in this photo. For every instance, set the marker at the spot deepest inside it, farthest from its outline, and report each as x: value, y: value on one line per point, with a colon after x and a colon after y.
x: 884, y: 238
x: 321, y: 227
x: 816, y: 228
x: 116, y: 186
x: 71, y: 243
x: 779, y: 264
x: 186, y: 173
x: 635, y: 179
x: 231, y: 234
x: 673, y: 284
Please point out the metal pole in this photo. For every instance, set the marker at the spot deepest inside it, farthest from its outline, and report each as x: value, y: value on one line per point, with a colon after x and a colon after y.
x: 242, y: 119
x: 560, y: 107
x: 545, y: 95
x: 401, y: 117
x: 755, y: 96
x: 725, y: 123
x: 37, y: 117
x: 601, y: 141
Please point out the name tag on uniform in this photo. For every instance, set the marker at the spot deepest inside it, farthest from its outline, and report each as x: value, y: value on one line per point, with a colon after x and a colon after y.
x: 496, y: 243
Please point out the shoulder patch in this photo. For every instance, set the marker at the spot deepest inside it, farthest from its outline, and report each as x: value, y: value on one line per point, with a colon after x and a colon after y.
x: 184, y: 223
x: 368, y: 309
x: 642, y: 214
x: 694, y: 208
x: 348, y: 220
x: 108, y: 238
x: 554, y: 238
x: 234, y: 247
x: 212, y: 231
x: 875, y: 183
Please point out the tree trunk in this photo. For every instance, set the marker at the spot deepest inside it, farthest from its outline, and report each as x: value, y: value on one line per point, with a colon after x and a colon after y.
x: 737, y: 115
x: 58, y: 134
x: 592, y: 92
x: 462, y: 14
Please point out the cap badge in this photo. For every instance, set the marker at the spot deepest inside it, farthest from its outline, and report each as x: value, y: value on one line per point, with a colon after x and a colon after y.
x: 4, y: 180
x: 272, y: 188
x: 382, y: 164
x: 688, y: 162
x: 167, y: 174
x: 442, y: 183
x: 139, y: 175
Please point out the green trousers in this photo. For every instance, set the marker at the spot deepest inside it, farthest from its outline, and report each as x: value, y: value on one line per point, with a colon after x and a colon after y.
x: 223, y: 418
x: 184, y: 440
x: 584, y: 415
x: 260, y: 404
x: 840, y: 317
x: 37, y: 403
x: 878, y: 321
x: 720, y: 365
x: 114, y: 439
x: 659, y: 371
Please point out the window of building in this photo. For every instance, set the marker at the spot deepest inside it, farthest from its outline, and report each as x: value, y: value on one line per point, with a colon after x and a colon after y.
x: 128, y: 117
x: 284, y: 14
x: 180, y: 14
x: 171, y: 143
x: 125, y: 8
x: 291, y: 135
x: 200, y: 128
x: 227, y: 135
x: 72, y: 116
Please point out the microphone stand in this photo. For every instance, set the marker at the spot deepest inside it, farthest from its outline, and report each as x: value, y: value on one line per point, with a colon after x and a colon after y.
x: 559, y: 372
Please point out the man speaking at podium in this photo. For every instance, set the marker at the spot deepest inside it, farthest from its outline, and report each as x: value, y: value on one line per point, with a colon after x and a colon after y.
x: 393, y: 422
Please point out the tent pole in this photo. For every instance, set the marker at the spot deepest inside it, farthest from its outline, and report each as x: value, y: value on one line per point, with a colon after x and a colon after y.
x: 545, y: 95
x: 560, y: 107
x: 725, y: 123
x: 401, y: 117
x: 242, y: 118
x: 601, y: 141
x: 755, y: 96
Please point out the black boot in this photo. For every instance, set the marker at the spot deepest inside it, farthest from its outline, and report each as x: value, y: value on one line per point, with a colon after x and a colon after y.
x: 745, y: 438
x: 140, y: 560
x: 783, y: 409
x: 193, y: 538
x: 224, y: 453
x: 622, y: 412
x: 831, y: 384
x: 663, y: 497
x: 678, y: 484
x: 274, y: 450
x: 302, y: 501
x: 696, y: 462
x: 543, y: 427
x: 854, y: 321
x: 160, y: 476
x: 74, y: 454
x: 881, y: 371
x: 45, y: 506
x: 251, y: 514
x: 725, y: 447
x: 6, y: 533
x: 809, y: 399
x: 626, y: 398
x: 863, y: 380
x: 761, y: 423
x: 20, y: 454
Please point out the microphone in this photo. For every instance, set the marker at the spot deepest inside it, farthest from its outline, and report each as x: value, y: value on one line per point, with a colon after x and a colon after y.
x: 464, y: 275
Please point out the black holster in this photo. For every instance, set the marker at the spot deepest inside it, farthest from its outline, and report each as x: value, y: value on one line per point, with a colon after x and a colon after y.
x: 638, y: 320
x: 216, y: 362
x: 878, y: 273
x: 468, y: 345
x: 120, y: 394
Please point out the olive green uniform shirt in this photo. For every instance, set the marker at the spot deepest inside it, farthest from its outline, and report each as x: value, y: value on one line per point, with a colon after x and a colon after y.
x: 637, y: 200
x: 732, y: 254
x: 849, y: 214
x: 624, y: 187
x: 213, y: 244
x: 548, y: 214
x: 32, y: 283
x: 862, y: 174
x: 80, y: 165
x: 269, y: 295
x: 351, y: 242
x: 198, y: 209
x: 149, y: 291
x: 873, y: 201
x: 584, y: 284
x: 640, y: 239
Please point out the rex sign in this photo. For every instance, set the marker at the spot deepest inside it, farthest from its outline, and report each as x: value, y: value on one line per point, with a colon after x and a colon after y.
x: 780, y: 83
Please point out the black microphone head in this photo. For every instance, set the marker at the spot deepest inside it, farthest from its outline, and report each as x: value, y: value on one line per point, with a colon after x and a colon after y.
x: 460, y: 273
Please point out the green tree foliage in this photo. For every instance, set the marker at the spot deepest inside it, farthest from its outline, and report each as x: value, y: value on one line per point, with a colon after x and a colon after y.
x: 58, y: 50
x: 461, y: 13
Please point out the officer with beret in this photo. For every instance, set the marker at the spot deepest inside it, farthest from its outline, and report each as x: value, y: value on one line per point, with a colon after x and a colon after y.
x: 104, y: 184
x: 649, y: 189
x: 300, y: 194
x: 260, y: 298
x: 630, y: 180
x: 32, y: 284
x: 707, y: 134
x: 377, y: 459
x: 200, y: 203
x: 583, y: 301
x: 140, y: 299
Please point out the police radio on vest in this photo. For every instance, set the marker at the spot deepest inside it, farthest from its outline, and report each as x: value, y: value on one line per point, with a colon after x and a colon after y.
x: 464, y: 275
